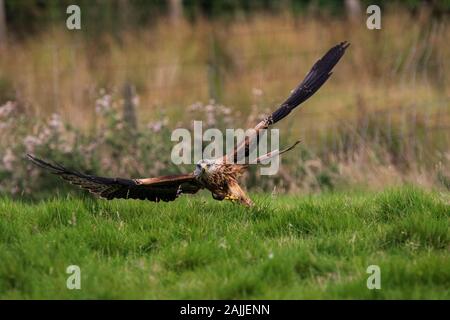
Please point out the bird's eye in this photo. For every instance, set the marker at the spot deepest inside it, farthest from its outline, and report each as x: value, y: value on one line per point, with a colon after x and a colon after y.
x: 208, y: 165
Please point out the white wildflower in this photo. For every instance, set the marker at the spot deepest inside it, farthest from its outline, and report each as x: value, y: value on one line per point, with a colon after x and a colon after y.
x: 55, y: 122
x: 257, y: 92
x: 155, y: 126
x: 7, y: 109
x: 8, y: 160
x: 31, y: 142
x: 195, y: 106
x: 103, y: 104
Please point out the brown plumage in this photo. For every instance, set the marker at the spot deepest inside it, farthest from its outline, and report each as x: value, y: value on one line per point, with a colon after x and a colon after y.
x: 316, y: 77
x: 165, y: 188
x: 220, y: 176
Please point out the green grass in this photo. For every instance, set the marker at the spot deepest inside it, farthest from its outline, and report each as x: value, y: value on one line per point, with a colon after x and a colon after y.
x: 286, y: 247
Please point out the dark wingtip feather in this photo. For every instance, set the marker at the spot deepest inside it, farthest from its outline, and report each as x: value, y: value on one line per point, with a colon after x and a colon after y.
x: 53, y: 168
x: 316, y: 77
x: 37, y: 161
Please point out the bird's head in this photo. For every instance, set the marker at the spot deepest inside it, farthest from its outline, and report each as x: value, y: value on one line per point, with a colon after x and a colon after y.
x: 205, y: 167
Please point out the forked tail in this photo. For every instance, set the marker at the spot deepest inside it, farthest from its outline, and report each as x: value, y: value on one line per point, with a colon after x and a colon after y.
x: 275, y: 153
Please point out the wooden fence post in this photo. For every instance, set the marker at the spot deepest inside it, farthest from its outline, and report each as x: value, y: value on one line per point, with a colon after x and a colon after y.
x: 129, y: 109
x: 3, y: 31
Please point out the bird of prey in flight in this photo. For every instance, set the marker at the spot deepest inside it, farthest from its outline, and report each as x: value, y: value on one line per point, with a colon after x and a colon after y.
x: 220, y: 176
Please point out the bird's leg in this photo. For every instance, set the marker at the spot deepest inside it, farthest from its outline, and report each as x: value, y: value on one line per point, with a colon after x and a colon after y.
x: 231, y: 197
x: 246, y: 201
x: 236, y: 194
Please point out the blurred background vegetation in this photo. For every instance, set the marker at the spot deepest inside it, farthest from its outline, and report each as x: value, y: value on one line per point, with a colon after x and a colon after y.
x: 111, y: 16
x: 105, y: 98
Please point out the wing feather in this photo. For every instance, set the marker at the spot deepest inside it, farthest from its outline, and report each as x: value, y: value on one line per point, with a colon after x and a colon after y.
x: 164, y: 188
x: 316, y: 77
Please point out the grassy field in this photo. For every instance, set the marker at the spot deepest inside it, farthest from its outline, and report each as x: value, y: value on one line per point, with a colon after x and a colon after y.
x: 286, y: 247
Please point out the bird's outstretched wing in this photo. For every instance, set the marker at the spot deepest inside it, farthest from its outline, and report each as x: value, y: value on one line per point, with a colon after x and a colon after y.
x: 316, y: 77
x: 165, y: 188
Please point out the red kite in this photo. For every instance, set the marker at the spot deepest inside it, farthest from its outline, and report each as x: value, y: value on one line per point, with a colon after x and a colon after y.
x: 217, y: 175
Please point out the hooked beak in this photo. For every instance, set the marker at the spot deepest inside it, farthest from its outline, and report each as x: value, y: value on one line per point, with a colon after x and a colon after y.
x: 203, y: 167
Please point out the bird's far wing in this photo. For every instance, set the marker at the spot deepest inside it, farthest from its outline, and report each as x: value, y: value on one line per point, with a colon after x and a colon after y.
x: 316, y: 77
x: 165, y: 188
